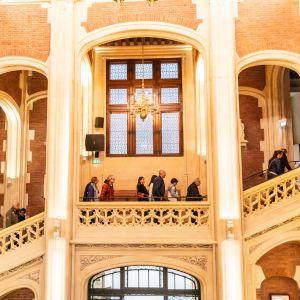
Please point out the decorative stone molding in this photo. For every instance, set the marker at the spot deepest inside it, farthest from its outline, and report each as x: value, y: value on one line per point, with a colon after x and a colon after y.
x: 260, y: 233
x: 35, y: 276
x: 200, y: 261
x: 152, y: 246
x: 86, y: 260
x: 21, y: 267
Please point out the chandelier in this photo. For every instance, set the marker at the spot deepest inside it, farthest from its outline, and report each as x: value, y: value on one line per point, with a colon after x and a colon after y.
x: 150, y: 2
x: 143, y: 106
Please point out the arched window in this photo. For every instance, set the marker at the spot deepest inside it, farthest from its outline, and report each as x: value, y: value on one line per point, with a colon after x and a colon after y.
x: 143, y: 283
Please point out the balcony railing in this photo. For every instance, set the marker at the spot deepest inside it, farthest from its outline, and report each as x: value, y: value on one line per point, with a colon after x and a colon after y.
x: 23, y: 233
x: 143, y: 214
x: 272, y: 192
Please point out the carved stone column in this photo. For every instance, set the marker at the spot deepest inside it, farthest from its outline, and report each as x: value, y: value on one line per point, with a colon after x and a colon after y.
x: 226, y: 147
x: 58, y: 192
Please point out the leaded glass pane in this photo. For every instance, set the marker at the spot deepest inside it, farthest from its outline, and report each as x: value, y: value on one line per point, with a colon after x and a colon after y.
x: 170, y: 133
x: 169, y: 70
x: 148, y: 93
x: 118, y: 133
x: 118, y: 72
x: 148, y: 71
x: 169, y: 95
x: 118, y: 96
x: 144, y: 135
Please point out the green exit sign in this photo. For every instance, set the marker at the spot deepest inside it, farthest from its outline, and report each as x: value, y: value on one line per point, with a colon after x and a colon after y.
x: 96, y: 161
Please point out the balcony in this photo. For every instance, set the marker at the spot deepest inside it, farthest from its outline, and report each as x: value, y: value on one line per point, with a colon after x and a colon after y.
x: 142, y: 222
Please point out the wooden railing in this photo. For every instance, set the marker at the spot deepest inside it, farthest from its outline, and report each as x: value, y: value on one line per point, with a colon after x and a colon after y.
x: 143, y: 214
x: 271, y: 192
x: 22, y: 233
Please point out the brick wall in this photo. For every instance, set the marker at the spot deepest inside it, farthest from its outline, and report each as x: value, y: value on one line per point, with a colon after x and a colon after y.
x: 181, y: 12
x: 268, y: 24
x: 251, y: 114
x: 279, y: 267
x: 36, y: 82
x: 2, y: 156
x: 20, y: 294
x: 9, y: 83
x: 37, y: 167
x: 24, y: 31
x: 254, y: 77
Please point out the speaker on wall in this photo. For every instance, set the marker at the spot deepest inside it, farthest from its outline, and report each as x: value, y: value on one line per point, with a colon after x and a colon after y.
x: 99, y: 122
x: 94, y: 142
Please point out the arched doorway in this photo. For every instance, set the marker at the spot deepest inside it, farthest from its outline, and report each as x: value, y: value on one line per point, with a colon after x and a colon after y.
x: 143, y: 282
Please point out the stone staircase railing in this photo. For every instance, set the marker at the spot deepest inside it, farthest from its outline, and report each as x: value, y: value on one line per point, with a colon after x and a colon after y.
x: 21, y: 234
x: 270, y: 193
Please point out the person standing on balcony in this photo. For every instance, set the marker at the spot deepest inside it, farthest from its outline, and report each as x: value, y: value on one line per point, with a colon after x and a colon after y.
x: 12, y: 214
x: 193, y: 191
x: 91, y: 192
x: 158, y: 191
x: 172, y: 191
x: 274, y: 167
x: 151, y: 187
x: 107, y: 191
x: 284, y: 162
x: 141, y: 190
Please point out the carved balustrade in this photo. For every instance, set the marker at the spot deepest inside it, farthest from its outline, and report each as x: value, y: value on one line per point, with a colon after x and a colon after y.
x: 271, y: 192
x: 143, y: 215
x: 22, y: 233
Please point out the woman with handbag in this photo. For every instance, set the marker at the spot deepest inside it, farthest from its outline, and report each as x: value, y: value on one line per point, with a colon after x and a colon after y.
x: 141, y: 190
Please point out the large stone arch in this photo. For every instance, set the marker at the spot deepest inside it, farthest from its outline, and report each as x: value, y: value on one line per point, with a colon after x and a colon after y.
x: 139, y: 29
x: 196, y: 271
x: 14, y: 63
x: 263, y: 246
x: 286, y: 59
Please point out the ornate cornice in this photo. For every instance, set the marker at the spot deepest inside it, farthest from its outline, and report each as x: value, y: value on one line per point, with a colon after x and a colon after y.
x: 147, y: 246
x: 35, y: 276
x: 200, y: 261
x: 86, y: 260
x: 260, y: 233
x: 21, y: 267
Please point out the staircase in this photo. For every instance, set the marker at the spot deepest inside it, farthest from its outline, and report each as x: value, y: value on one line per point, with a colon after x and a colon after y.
x: 272, y: 203
x: 22, y: 242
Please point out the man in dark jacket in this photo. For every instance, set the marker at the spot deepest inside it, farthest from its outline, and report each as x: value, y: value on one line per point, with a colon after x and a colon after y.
x: 193, y: 191
x: 158, y: 192
x: 12, y: 214
x: 91, y: 192
x: 284, y: 162
x: 275, y: 165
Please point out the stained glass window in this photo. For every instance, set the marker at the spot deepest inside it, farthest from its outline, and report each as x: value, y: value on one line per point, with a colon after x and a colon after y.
x: 144, y: 135
x: 170, y: 133
x: 169, y: 95
x: 148, y: 94
x: 169, y: 70
x: 118, y: 72
x: 147, y: 71
x: 118, y: 133
x: 118, y: 96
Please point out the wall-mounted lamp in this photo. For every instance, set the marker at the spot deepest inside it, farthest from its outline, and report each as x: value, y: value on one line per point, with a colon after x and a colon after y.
x: 282, y: 123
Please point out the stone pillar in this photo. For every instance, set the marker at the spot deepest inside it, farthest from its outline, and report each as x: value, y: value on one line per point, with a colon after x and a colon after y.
x: 227, y: 188
x: 58, y: 191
